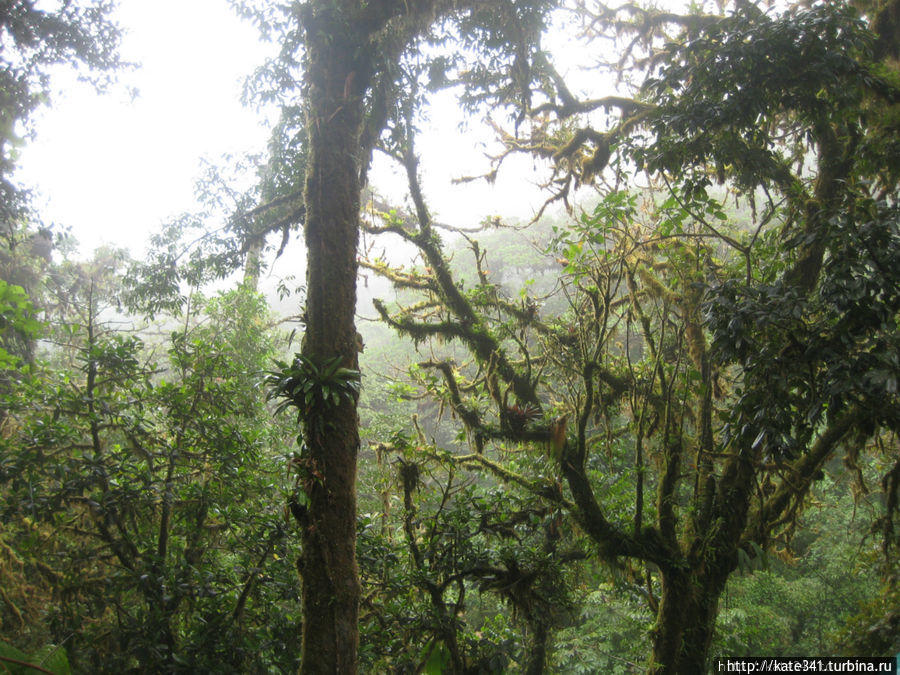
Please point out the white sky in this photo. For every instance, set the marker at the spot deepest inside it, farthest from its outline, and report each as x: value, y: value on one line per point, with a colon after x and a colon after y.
x: 113, y: 168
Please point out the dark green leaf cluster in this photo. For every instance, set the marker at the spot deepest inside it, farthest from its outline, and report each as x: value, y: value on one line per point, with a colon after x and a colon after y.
x: 744, y: 93
x: 806, y: 359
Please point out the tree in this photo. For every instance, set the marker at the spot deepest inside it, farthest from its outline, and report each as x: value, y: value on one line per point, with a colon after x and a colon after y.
x: 712, y: 357
x: 354, y: 57
x: 137, y: 480
x: 453, y: 537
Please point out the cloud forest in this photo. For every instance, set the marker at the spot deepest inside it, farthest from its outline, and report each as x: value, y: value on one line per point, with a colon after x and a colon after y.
x: 652, y: 426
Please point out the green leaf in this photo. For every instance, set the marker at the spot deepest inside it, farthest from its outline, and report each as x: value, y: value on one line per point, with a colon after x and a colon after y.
x: 52, y: 658
x: 438, y: 661
x: 7, y: 651
x: 49, y: 657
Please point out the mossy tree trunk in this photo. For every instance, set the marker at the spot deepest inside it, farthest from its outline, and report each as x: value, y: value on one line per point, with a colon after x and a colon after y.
x: 685, y: 622
x: 351, y: 52
x: 332, y: 195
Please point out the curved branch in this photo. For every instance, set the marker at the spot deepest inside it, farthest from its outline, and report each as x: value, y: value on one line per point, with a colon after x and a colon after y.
x: 803, y: 471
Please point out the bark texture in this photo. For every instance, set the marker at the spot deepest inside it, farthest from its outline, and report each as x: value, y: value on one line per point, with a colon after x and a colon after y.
x: 328, y: 567
x: 685, y: 622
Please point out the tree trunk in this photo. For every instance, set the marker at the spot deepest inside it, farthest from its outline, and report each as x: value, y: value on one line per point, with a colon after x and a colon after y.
x: 253, y: 265
x: 332, y: 194
x: 685, y: 623
x: 537, y: 643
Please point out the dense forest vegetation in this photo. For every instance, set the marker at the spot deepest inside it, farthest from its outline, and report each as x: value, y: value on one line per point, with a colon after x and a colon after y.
x: 656, y: 425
